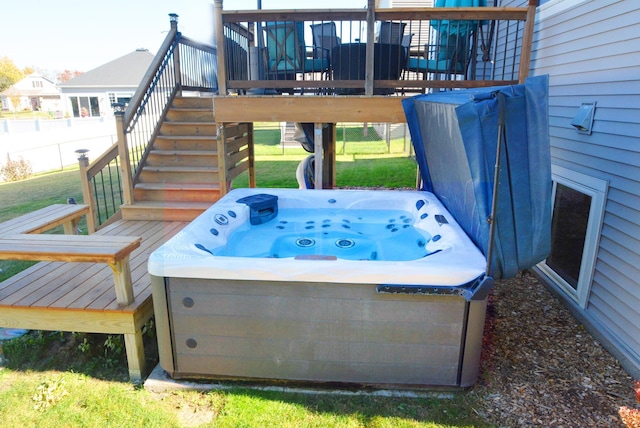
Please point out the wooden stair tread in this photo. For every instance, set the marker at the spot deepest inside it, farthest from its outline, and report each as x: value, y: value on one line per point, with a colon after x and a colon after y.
x: 184, y: 152
x: 178, y: 186
x: 189, y: 122
x: 180, y: 169
x: 174, y: 205
x: 186, y: 137
x: 164, y: 210
x: 192, y: 109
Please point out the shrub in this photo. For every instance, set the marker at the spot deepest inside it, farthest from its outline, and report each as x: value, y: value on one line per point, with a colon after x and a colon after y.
x: 16, y: 170
x: 631, y: 417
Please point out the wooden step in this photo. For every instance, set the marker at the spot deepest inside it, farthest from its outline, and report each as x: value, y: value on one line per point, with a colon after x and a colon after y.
x: 190, y: 115
x: 164, y: 211
x: 179, y: 174
x: 182, y: 158
x: 187, y: 192
x: 180, y: 178
x: 204, y: 129
x: 180, y: 142
x: 193, y: 102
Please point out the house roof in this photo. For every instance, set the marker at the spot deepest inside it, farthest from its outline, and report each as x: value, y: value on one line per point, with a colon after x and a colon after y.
x: 25, y: 88
x: 126, y: 71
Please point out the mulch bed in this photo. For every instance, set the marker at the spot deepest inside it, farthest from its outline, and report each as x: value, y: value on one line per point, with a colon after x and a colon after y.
x: 540, y: 367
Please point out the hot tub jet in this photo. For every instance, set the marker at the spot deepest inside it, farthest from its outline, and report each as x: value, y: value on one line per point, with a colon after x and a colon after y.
x: 305, y: 242
x: 345, y: 243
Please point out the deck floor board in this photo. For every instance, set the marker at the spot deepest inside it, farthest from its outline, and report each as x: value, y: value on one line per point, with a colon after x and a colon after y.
x: 71, y: 280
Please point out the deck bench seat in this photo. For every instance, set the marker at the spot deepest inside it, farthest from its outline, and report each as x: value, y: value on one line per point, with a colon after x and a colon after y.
x: 67, y: 215
x: 77, y: 295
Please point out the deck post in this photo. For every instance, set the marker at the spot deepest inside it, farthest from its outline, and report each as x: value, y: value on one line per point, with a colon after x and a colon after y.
x: 329, y: 156
x: 371, y: 21
x: 218, y: 27
x: 125, y: 164
x: 134, y: 347
x: 87, y: 194
x: 317, y: 150
x: 173, y: 21
x: 252, y: 157
x: 527, y: 42
x: 222, y: 159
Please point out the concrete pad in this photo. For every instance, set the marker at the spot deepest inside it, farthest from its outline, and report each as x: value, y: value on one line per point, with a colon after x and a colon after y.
x: 159, y: 382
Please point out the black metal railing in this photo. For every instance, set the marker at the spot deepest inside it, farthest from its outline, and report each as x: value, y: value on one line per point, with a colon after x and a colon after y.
x: 180, y: 65
x: 407, y: 49
x: 102, y: 186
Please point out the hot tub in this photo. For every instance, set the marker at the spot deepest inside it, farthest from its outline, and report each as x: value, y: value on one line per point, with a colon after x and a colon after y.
x: 352, y: 286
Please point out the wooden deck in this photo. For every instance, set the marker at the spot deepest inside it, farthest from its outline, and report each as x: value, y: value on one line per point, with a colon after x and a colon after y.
x: 81, y: 297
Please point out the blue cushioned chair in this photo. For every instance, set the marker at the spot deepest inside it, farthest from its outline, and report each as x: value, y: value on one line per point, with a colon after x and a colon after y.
x: 287, y: 54
x: 325, y: 38
x: 452, y: 53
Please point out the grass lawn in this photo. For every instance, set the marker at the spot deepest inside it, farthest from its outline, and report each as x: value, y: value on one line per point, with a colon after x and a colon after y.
x: 54, y: 379
x: 26, y: 115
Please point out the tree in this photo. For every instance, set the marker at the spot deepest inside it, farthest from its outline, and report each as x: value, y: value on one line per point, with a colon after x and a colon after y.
x: 9, y: 73
x: 15, y: 102
x: 68, y: 74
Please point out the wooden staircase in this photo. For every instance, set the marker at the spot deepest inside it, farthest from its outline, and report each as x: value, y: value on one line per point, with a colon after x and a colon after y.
x: 179, y: 179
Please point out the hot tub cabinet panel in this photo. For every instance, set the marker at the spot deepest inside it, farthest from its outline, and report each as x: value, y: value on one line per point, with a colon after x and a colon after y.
x: 315, y: 332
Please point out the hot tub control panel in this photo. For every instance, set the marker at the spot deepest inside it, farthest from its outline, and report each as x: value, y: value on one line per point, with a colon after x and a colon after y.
x: 262, y: 207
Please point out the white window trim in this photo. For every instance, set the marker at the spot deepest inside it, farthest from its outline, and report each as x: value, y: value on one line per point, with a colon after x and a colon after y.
x: 597, y: 190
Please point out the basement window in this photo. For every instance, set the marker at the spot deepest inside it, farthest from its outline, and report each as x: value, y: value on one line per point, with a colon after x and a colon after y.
x: 578, y: 210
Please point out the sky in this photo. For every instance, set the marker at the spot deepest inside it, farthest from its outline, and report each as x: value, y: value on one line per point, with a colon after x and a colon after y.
x: 80, y: 35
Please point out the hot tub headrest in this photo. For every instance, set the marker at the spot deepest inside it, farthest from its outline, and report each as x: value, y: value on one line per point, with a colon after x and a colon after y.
x: 262, y: 207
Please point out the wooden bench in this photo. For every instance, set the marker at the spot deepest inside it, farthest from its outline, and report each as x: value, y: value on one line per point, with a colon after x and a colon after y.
x: 112, y: 250
x: 67, y: 215
x: 69, y: 290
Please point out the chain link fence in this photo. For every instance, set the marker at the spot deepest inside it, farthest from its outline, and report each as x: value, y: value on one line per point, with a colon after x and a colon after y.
x: 352, y: 138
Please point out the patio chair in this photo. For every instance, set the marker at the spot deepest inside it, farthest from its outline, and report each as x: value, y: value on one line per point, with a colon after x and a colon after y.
x: 391, y: 32
x: 451, y: 57
x: 325, y: 38
x: 455, y: 44
x: 286, y: 50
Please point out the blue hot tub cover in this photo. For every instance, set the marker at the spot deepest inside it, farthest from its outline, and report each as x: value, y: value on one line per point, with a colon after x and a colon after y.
x: 455, y: 136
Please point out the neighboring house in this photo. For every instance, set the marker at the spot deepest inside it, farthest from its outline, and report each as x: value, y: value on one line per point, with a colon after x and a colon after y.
x: 35, y: 92
x: 93, y: 93
x: 589, y: 49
